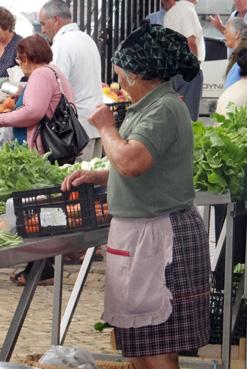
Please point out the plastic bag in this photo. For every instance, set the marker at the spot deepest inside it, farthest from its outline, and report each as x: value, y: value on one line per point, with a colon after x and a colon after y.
x: 15, y: 73
x: 8, y: 220
x: 6, y: 135
x: 69, y: 356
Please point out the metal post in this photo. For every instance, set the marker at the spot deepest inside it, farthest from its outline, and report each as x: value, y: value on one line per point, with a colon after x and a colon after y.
x: 57, y: 300
x: 21, y: 310
x: 75, y: 294
x: 227, y: 314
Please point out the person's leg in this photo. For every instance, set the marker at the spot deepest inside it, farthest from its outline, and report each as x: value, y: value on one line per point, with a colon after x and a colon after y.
x: 137, y: 363
x: 166, y: 361
x: 190, y: 91
x: 47, y: 276
x: 193, y: 96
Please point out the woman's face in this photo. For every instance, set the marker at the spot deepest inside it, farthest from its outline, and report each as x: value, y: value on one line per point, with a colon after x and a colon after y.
x: 122, y: 78
x: 23, y: 62
x: 241, y: 6
x: 3, y: 34
x: 232, y: 38
x: 127, y: 81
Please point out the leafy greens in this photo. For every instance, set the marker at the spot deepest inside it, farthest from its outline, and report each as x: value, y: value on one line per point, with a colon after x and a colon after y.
x: 220, y: 153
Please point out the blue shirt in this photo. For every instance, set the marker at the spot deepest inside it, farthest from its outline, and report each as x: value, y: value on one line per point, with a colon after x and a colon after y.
x: 7, y: 60
x: 157, y: 17
x: 20, y: 134
x: 234, y: 14
x: 232, y: 76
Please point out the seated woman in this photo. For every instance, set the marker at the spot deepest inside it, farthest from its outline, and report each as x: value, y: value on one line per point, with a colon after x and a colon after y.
x: 236, y: 39
x: 237, y: 92
x: 41, y: 96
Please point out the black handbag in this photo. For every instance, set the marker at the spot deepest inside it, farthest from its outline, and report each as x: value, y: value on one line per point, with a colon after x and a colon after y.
x: 63, y: 134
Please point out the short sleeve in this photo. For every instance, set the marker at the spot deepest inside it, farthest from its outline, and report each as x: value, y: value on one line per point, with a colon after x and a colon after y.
x: 156, y: 130
x: 189, y: 27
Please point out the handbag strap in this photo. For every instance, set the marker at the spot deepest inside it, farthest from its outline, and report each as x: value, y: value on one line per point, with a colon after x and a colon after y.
x: 57, y: 78
x: 61, y: 89
x: 62, y: 94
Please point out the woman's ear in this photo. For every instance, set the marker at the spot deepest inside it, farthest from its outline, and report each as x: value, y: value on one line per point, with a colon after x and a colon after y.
x: 24, y: 59
x: 131, y: 78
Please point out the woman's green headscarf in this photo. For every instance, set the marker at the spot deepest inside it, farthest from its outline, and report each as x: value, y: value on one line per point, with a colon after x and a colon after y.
x: 156, y: 52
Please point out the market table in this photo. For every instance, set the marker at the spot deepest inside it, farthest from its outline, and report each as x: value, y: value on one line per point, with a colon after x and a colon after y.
x: 39, y: 250
x: 230, y: 313
x: 42, y: 248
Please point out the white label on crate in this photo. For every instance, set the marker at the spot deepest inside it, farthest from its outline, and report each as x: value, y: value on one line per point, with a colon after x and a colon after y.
x: 52, y: 217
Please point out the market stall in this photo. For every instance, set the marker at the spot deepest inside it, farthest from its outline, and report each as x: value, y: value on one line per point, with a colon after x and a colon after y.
x: 219, y: 162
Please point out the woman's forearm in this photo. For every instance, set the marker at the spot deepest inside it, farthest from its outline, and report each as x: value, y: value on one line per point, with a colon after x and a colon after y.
x: 130, y: 158
x: 101, y: 177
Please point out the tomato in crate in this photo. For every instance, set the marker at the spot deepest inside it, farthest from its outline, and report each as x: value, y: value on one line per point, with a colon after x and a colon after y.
x: 49, y: 211
x: 101, y: 207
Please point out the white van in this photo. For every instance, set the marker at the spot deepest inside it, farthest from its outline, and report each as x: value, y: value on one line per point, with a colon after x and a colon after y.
x: 215, y: 64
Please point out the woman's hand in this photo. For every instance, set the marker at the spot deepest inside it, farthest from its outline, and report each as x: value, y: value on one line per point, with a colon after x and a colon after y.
x: 102, y: 117
x: 77, y: 178
x: 217, y: 23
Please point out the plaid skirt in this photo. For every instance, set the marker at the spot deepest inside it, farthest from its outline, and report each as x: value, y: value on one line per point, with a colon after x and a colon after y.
x: 187, y: 277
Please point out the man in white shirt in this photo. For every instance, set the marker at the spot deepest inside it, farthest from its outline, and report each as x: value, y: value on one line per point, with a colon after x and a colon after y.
x: 77, y: 55
x: 182, y: 18
x: 158, y: 17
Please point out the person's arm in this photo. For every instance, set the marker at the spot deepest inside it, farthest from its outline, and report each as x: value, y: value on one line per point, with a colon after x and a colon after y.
x: 130, y: 158
x: 36, y: 100
x: 217, y: 23
x: 192, y: 45
x: 98, y: 177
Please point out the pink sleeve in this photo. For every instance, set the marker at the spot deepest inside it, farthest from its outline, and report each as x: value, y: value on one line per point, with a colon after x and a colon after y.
x: 37, y: 96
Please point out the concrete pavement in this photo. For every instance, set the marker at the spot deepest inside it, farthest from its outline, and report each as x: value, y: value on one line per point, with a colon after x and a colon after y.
x: 35, y: 336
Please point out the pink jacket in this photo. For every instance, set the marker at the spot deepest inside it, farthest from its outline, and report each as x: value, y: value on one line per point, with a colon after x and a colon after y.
x: 41, y: 97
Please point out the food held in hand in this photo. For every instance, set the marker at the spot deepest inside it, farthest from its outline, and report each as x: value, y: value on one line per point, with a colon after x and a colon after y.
x: 115, y: 92
x: 7, y: 105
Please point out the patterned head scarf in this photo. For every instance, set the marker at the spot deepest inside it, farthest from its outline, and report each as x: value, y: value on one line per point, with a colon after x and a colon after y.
x: 156, y: 52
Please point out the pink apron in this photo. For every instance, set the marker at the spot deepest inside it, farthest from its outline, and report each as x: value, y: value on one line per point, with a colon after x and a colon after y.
x: 137, y: 254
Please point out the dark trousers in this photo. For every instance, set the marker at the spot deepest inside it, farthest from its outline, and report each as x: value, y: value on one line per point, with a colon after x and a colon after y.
x: 190, y: 91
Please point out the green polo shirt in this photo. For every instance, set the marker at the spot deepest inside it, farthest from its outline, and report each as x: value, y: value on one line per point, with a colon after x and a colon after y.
x: 161, y: 121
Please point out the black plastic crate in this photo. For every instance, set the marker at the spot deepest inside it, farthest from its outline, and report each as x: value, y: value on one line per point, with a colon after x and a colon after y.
x: 216, y: 313
x: 49, y: 211
x: 101, y: 207
x: 119, y: 109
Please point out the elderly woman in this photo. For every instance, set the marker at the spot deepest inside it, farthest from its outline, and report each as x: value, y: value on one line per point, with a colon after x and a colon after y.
x: 42, y: 93
x: 237, y: 92
x: 8, y: 41
x: 236, y: 39
x: 40, y: 98
x: 157, y: 279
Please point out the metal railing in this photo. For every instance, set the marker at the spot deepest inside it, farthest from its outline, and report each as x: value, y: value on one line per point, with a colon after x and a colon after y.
x: 109, y: 22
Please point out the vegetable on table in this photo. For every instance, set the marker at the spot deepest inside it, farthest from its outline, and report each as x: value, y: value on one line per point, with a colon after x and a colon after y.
x: 24, y: 169
x: 2, y: 207
x: 220, y: 153
x: 9, y: 239
x: 32, y: 224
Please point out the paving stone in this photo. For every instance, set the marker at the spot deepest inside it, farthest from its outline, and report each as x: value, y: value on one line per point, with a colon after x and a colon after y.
x: 35, y: 336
